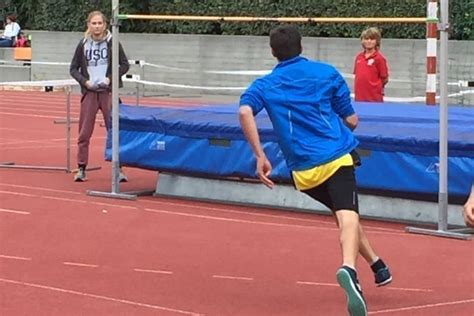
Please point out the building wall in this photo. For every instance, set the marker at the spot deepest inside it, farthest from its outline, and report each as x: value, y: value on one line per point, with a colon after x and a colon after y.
x: 193, y: 55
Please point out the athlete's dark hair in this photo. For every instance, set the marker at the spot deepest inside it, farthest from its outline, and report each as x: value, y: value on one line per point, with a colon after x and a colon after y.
x: 285, y: 41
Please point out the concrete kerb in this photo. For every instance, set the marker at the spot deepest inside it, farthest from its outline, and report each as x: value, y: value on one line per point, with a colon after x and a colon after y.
x: 285, y: 197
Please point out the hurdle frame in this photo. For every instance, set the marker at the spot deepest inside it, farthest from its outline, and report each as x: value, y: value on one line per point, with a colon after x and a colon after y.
x: 49, y: 87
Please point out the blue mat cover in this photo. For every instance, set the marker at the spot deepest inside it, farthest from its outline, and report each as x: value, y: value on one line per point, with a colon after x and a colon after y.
x: 398, y: 144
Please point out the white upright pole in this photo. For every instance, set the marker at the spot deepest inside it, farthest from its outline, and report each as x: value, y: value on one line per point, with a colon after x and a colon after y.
x: 443, y: 119
x: 115, y: 105
x: 68, y: 128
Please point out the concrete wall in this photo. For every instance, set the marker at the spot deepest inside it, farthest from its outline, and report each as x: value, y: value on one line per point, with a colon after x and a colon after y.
x: 12, y: 72
x: 198, y: 53
x: 285, y: 197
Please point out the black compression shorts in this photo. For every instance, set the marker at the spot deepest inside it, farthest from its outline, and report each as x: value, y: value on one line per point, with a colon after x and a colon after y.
x: 339, y: 192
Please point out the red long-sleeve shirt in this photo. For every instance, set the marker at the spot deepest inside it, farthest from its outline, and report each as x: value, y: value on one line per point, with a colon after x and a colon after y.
x: 371, y: 74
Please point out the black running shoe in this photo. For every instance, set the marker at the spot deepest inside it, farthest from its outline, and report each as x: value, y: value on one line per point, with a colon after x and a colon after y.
x: 383, y: 277
x: 347, y: 279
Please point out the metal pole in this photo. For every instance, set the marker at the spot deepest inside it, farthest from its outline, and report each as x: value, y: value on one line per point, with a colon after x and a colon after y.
x: 431, y: 50
x: 443, y: 119
x: 143, y: 78
x: 115, y: 87
x: 68, y: 129
x: 137, y: 91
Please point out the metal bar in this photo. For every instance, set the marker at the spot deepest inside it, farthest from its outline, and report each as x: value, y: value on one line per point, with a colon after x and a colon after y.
x: 274, y: 19
x: 68, y: 129
x: 115, y: 103
x: 113, y: 195
x: 11, y: 165
x: 64, y: 121
x: 88, y: 168
x: 439, y: 233
x: 443, y: 123
x: 137, y: 91
x: 431, y: 51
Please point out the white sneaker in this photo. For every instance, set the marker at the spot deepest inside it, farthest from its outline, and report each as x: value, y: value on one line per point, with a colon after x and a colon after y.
x: 122, y: 177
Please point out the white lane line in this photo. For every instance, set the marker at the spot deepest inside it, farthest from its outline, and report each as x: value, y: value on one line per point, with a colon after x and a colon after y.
x: 388, y: 288
x: 32, y: 147
x: 35, y: 131
x: 383, y: 231
x: 409, y: 289
x: 410, y: 308
x: 101, y: 297
x: 387, y: 231
x: 115, y: 205
x: 14, y: 211
x: 30, y: 107
x: 230, y: 277
x: 39, y: 188
x: 12, y: 129
x: 36, y: 141
x: 71, y: 200
x: 43, y: 111
x: 153, y: 271
x: 29, y: 115
x: 316, y: 283
x: 15, y: 258
x: 18, y: 193
x: 77, y: 264
x: 39, y: 146
x: 234, y: 220
x: 63, y: 199
x: 224, y: 210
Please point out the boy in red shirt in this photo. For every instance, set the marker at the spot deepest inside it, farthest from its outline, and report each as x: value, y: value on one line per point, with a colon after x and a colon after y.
x: 370, y: 68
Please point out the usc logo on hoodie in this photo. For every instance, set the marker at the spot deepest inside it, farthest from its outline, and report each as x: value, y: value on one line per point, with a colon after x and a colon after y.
x: 96, y: 54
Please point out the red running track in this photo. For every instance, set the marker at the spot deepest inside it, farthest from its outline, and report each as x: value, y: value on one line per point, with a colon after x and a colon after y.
x: 65, y: 253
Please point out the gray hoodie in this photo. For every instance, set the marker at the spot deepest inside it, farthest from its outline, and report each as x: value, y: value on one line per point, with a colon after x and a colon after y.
x: 88, y: 62
x: 97, y: 56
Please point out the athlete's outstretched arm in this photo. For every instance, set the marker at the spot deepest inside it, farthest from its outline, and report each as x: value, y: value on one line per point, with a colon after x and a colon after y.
x: 249, y: 126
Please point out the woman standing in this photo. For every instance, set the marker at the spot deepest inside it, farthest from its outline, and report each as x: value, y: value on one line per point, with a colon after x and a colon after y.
x: 91, y: 66
x: 11, y: 31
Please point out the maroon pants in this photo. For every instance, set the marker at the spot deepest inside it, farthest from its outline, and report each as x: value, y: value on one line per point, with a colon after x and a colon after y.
x: 91, y: 103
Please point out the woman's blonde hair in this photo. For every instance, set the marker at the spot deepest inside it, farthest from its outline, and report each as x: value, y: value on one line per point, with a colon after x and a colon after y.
x: 89, y: 18
x: 372, y: 33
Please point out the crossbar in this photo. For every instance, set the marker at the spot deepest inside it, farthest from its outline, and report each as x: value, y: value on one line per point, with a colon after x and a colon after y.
x: 277, y: 19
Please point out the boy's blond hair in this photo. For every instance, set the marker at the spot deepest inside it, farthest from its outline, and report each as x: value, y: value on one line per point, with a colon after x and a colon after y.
x: 372, y: 33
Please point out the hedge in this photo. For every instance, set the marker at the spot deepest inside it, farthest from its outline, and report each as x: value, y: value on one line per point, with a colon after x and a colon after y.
x: 67, y: 15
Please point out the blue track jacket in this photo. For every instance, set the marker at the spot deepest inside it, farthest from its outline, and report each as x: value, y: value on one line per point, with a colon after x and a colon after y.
x: 305, y: 101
